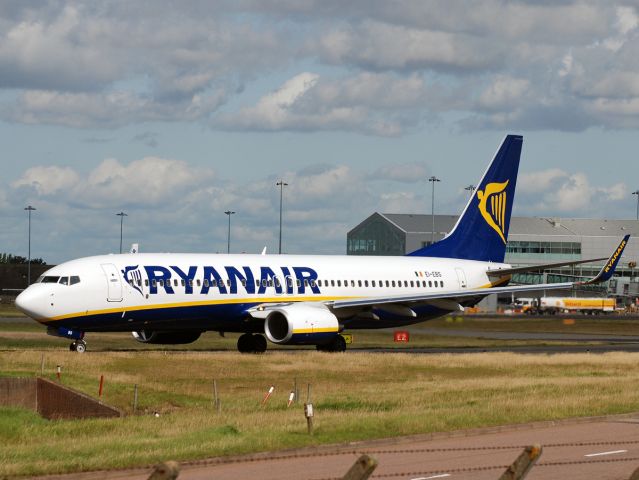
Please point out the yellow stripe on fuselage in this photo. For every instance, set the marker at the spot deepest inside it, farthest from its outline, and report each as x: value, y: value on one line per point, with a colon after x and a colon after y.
x: 252, y: 300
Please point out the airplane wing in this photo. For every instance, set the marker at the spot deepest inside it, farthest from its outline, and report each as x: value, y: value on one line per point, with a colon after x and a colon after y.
x: 459, y: 295
x: 532, y: 268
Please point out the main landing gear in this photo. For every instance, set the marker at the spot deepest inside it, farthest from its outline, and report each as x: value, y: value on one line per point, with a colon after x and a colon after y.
x: 249, y: 343
x: 337, y: 344
x: 79, y: 346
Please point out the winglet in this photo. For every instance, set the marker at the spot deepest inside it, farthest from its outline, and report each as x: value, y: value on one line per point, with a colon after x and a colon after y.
x: 609, y: 268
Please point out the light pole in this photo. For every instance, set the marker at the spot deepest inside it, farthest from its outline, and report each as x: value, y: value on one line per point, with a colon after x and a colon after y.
x: 433, y: 179
x: 281, y: 184
x: 636, y: 192
x: 29, y: 209
x: 121, y: 215
x: 471, y: 188
x: 228, y: 246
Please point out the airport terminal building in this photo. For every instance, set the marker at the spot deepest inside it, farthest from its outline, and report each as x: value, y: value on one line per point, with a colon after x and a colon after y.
x: 531, y: 241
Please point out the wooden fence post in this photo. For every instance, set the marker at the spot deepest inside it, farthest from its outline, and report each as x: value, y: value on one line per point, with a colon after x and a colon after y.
x: 361, y: 469
x: 165, y: 471
x: 520, y: 467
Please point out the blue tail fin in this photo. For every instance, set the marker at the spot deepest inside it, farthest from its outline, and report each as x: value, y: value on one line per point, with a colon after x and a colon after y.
x: 481, y: 231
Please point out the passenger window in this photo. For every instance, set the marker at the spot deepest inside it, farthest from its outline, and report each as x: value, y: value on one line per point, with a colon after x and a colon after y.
x: 146, y: 282
x: 162, y: 283
x: 312, y: 283
x: 298, y: 282
x: 424, y: 283
x: 306, y: 283
x: 277, y: 282
x: 175, y: 282
x: 270, y: 282
x: 412, y: 284
x: 206, y: 282
x: 199, y: 282
x: 387, y: 284
x: 366, y: 283
x: 430, y: 284
x: 64, y: 281
x: 441, y: 283
x: 190, y: 282
x: 214, y: 282
x: 406, y: 283
x: 75, y: 279
x: 339, y: 283
x: 257, y: 283
x: 359, y: 283
x: 289, y: 282
x: 183, y: 283
x: 373, y: 283
x: 244, y: 282
x: 393, y: 283
x: 332, y: 283
x: 435, y: 282
x: 154, y: 283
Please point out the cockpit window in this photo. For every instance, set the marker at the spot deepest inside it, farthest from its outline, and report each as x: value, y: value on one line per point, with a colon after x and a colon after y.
x: 50, y: 279
x: 64, y: 281
x: 39, y: 279
x: 74, y: 279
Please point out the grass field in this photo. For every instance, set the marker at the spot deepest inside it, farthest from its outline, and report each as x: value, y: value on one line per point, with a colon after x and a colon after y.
x: 356, y: 396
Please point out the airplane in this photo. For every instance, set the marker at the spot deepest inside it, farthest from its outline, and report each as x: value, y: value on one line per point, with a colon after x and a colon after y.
x: 165, y: 298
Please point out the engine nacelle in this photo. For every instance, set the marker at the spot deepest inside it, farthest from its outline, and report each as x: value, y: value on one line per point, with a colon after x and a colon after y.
x: 166, y: 338
x: 301, y: 325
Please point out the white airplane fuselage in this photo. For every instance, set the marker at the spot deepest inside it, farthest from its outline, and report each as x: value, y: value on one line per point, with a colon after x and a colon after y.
x: 203, y: 292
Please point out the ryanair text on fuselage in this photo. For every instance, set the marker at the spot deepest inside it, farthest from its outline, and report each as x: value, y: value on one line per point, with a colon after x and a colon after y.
x: 209, y: 277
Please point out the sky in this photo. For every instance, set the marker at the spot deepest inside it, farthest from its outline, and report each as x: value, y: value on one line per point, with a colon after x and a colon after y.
x: 175, y: 112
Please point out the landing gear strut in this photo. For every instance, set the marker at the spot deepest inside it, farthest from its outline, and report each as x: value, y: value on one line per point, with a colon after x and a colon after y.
x: 79, y: 346
x: 249, y: 343
x: 337, y: 344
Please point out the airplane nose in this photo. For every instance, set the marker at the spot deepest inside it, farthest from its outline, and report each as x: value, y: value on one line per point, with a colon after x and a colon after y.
x: 31, y: 303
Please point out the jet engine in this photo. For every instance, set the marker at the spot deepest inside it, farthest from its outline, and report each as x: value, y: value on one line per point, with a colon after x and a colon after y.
x: 165, y: 338
x: 301, y: 324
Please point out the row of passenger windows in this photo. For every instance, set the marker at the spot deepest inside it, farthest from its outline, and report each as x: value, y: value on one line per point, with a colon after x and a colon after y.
x: 72, y: 280
x: 298, y: 282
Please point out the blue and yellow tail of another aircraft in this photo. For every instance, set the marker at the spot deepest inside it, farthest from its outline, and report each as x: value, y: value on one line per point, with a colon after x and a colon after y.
x: 481, y: 232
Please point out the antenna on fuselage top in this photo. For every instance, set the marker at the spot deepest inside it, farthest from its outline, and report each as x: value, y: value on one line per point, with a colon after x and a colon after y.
x: 135, y: 248
x: 264, y: 251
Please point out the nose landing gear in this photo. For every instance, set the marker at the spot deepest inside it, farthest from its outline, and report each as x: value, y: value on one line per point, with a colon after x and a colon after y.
x: 79, y: 346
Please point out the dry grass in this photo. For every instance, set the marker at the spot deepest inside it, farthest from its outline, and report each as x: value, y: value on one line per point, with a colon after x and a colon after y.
x: 356, y: 396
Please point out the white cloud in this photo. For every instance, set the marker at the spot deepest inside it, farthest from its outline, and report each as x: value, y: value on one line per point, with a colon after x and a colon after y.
x: 532, y: 182
x: 48, y: 180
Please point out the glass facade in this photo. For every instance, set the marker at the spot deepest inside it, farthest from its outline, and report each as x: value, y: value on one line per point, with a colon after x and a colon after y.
x: 538, y: 250
x: 376, y: 237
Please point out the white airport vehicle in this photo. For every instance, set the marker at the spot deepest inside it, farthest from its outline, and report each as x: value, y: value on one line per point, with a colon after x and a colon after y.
x: 291, y: 299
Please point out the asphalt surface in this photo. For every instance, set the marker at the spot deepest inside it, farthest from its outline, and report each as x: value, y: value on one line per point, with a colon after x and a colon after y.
x: 602, y: 448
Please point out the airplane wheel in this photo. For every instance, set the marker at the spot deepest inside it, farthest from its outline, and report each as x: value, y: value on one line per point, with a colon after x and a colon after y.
x: 259, y: 344
x: 81, y: 346
x: 338, y: 344
x: 245, y: 343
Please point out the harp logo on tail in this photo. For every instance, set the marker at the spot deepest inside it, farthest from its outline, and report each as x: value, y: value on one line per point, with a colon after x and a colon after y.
x: 492, y: 206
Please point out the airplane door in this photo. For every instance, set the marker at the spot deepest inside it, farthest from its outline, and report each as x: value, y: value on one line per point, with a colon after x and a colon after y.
x: 461, y: 277
x: 114, y: 283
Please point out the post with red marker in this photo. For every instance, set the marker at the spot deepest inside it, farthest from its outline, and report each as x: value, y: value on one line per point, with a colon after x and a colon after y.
x: 101, y: 385
x: 291, y: 397
x: 58, y: 372
x: 268, y: 395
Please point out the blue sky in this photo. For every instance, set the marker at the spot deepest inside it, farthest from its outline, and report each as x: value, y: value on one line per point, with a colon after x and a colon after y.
x: 175, y: 114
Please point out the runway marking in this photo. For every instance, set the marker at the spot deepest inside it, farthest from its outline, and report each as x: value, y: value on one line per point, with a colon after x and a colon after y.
x: 605, y: 453
x: 443, y: 475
